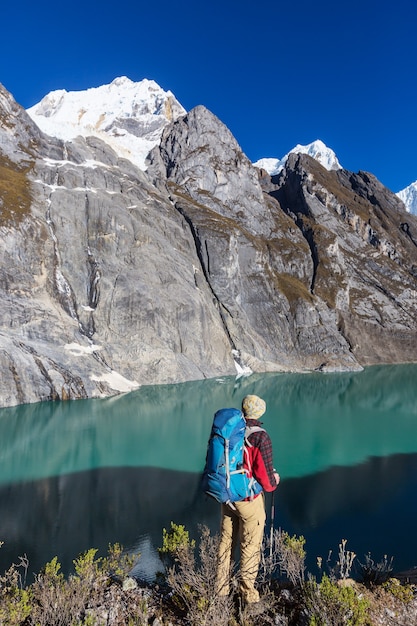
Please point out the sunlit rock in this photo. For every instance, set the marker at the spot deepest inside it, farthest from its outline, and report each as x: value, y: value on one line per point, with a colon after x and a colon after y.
x: 111, y: 277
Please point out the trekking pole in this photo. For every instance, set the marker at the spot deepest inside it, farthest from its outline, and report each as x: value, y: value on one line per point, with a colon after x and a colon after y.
x: 271, y: 531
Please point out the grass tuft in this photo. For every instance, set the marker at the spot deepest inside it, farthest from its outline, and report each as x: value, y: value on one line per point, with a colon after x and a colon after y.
x: 15, y: 192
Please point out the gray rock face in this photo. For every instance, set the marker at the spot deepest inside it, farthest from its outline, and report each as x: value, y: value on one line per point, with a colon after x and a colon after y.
x: 111, y: 278
x: 364, y: 248
x: 199, y: 153
x: 97, y: 277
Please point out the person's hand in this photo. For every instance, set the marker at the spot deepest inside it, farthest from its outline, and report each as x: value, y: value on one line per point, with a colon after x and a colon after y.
x: 277, y: 478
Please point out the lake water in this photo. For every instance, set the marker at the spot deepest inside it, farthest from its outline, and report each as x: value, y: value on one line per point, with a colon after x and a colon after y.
x: 75, y: 475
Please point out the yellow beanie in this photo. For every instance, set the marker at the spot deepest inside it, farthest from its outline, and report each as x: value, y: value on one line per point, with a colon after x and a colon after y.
x: 253, y: 407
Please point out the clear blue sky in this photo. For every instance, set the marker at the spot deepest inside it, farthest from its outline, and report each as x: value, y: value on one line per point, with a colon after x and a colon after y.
x: 276, y: 72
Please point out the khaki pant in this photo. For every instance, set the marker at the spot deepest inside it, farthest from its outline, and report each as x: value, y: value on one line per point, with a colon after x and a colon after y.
x: 246, y: 525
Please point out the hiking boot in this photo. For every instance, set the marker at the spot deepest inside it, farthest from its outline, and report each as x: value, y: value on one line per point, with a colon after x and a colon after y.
x: 253, y: 609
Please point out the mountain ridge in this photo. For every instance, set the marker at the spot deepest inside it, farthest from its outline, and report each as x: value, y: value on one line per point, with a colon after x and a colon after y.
x: 201, y: 266
x: 141, y: 111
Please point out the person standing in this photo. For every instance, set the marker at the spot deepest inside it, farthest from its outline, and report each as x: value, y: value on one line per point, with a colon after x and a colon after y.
x: 243, y: 522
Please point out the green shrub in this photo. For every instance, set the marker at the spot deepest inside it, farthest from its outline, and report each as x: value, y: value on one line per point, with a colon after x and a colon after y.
x: 332, y: 602
x: 291, y: 556
x: 404, y: 593
x: 174, y: 543
x: 118, y: 564
x: 15, y: 602
x: 175, y: 540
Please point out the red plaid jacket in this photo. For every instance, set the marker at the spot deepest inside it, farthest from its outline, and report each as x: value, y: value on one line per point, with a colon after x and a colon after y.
x: 260, y: 457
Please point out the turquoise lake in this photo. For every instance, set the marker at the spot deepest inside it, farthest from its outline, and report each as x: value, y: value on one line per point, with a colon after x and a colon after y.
x: 81, y: 474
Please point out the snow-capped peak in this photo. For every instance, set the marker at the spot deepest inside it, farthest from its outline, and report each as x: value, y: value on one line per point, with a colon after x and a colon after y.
x: 129, y: 116
x: 409, y: 197
x: 317, y: 149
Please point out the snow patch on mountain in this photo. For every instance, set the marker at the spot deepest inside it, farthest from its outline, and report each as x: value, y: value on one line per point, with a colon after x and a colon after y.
x: 317, y: 149
x: 130, y: 116
x: 409, y: 197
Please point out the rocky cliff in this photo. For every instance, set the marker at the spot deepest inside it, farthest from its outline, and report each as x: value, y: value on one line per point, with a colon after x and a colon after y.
x: 202, y: 266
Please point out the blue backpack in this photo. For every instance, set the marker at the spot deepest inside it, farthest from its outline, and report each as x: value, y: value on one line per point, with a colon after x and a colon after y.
x: 224, y: 477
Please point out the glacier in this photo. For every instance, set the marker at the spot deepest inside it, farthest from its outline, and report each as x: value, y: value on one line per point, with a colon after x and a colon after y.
x: 129, y: 116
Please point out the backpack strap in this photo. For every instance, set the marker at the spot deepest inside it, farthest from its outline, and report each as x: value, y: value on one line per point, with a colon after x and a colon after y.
x: 247, y: 444
x: 226, y: 454
x: 248, y: 431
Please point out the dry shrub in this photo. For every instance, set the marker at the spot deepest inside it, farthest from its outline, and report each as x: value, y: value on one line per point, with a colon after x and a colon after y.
x: 193, y: 583
x: 285, y: 555
x: 15, y: 600
x: 82, y: 597
x: 56, y: 601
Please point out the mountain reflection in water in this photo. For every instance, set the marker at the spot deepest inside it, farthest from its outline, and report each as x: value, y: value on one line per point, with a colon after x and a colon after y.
x: 66, y: 515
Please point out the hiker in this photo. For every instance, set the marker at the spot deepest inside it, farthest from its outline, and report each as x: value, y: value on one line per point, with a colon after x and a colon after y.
x: 244, y: 521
